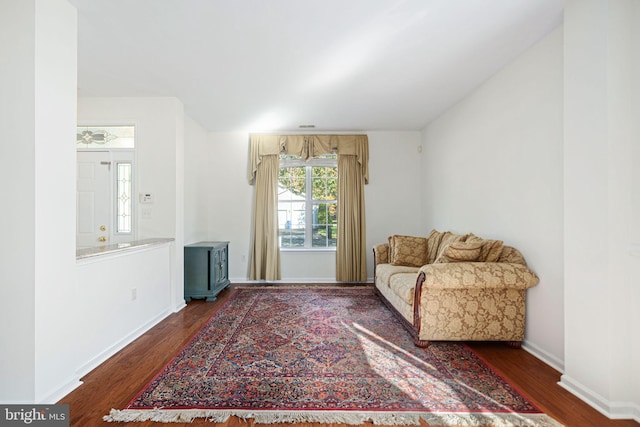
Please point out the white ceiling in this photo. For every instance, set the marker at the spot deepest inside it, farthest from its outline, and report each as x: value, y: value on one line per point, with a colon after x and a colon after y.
x: 342, y: 65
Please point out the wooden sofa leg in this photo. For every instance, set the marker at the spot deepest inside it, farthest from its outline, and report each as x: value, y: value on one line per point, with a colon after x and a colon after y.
x: 514, y: 344
x: 421, y: 343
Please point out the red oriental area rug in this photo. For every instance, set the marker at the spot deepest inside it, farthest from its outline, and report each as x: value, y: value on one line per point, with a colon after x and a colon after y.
x: 330, y: 355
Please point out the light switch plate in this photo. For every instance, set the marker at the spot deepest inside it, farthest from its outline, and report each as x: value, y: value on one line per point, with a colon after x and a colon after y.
x: 146, y: 198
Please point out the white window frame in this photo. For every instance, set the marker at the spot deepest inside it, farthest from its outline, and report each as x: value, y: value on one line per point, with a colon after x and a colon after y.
x: 309, y: 201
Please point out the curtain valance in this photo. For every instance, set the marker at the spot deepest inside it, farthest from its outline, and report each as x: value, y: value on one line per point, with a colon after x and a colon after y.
x: 308, y: 146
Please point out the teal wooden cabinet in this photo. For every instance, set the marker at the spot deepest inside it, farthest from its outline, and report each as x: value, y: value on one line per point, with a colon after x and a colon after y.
x: 206, y: 270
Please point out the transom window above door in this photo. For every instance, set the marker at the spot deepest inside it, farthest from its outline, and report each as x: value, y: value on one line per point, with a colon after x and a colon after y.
x: 105, y: 136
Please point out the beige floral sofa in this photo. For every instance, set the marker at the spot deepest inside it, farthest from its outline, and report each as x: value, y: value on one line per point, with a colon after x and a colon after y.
x: 454, y: 287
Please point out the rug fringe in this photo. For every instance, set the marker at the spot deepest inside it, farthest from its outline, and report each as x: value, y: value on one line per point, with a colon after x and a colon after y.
x: 490, y: 419
x: 343, y: 417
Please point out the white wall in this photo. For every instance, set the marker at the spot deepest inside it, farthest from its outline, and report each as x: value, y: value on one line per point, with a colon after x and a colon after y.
x: 492, y: 165
x: 395, y: 184
x: 38, y: 86
x: 391, y: 198
x: 119, y: 297
x: 195, y: 182
x: 55, y: 162
x: 230, y: 197
x: 156, y: 121
x: 159, y: 149
x: 54, y: 323
x: 634, y: 155
x: 602, y: 233
x: 177, y: 270
x: 17, y: 260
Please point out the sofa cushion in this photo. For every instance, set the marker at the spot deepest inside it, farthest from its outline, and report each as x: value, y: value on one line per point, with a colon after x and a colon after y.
x: 461, y: 252
x: 384, y: 272
x: 433, y: 242
x: 403, y: 286
x: 447, y: 239
x: 512, y: 255
x: 491, y: 249
x: 409, y: 251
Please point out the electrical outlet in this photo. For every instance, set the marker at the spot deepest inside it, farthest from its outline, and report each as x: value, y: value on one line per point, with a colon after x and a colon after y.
x: 134, y: 294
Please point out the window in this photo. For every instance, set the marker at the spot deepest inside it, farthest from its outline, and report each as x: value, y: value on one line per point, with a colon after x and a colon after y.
x: 307, y: 202
x: 105, y: 136
x: 123, y: 197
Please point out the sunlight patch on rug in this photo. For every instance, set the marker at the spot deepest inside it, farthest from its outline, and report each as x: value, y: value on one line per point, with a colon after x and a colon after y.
x: 325, y: 355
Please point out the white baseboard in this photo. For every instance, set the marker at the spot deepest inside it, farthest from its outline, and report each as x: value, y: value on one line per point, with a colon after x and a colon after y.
x: 287, y: 280
x: 626, y: 410
x: 55, y: 395
x: 548, y: 358
x: 120, y: 344
x: 181, y: 305
x: 613, y: 410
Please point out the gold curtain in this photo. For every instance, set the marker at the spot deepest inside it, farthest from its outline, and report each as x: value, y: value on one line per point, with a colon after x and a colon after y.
x: 265, y: 248
x: 353, y: 155
x: 351, y: 256
x: 307, y: 146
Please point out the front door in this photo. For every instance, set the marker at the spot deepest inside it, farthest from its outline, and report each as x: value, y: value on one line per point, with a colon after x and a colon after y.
x: 93, y: 204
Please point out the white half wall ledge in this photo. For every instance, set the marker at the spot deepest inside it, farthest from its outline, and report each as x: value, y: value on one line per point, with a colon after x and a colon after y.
x: 614, y: 410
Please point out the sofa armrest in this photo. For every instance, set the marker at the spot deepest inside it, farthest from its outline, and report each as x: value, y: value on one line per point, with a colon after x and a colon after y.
x: 479, y: 275
x: 381, y: 253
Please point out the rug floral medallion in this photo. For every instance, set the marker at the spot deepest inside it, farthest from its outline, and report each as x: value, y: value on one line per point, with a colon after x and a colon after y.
x: 333, y: 355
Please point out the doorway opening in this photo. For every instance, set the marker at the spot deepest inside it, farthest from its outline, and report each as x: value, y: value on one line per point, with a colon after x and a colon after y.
x: 105, y: 206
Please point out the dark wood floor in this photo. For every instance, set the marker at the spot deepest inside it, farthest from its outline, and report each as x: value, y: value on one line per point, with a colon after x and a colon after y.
x: 114, y: 383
